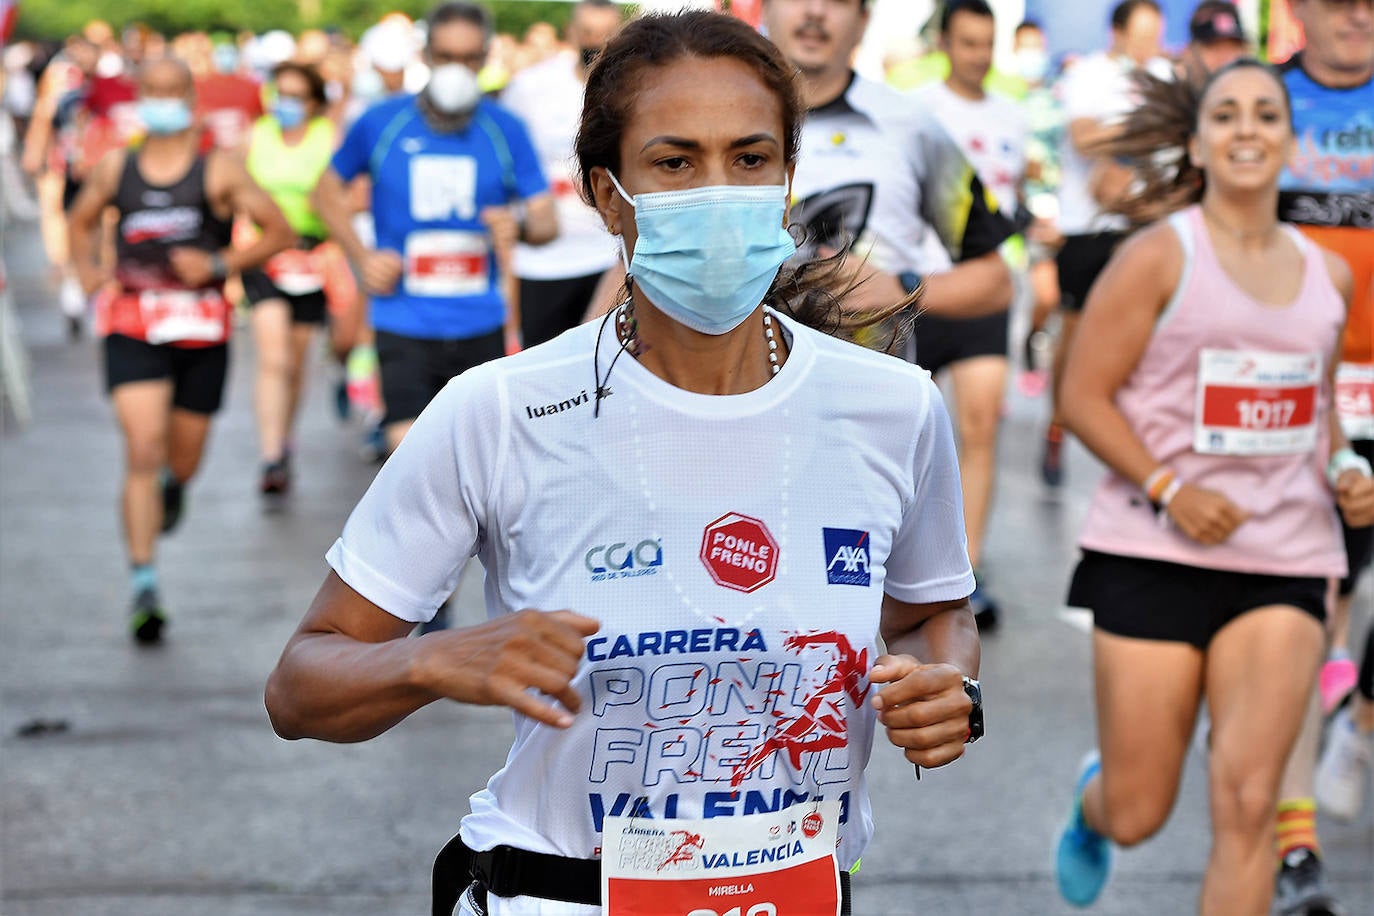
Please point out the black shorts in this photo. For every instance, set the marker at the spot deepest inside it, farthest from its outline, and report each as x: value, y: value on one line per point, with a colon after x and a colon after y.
x: 414, y: 369
x: 306, y: 309
x: 1359, y: 542
x: 197, y: 373
x: 943, y: 341
x: 550, y: 307
x: 70, y: 189
x: 1153, y: 599
x: 1080, y: 260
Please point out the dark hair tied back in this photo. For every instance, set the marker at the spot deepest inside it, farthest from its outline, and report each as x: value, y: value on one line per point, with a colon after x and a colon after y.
x: 812, y: 292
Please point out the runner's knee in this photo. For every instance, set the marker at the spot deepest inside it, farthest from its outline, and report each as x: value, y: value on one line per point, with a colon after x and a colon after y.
x: 1133, y: 819
x: 145, y: 454
x: 1243, y: 798
x: 978, y: 426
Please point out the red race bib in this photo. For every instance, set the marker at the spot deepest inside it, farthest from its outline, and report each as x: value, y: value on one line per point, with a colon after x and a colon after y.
x: 779, y: 863
x: 296, y: 272
x: 184, y: 315
x: 1355, y: 399
x: 1255, y: 403
x: 441, y: 262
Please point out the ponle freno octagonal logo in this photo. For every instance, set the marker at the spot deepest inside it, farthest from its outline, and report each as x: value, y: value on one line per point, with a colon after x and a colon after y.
x: 739, y: 552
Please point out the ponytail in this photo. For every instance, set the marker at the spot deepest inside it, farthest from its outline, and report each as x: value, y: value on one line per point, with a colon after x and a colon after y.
x: 1153, y: 142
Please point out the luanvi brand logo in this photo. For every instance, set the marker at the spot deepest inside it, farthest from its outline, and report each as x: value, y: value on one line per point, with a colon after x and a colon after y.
x: 548, y: 410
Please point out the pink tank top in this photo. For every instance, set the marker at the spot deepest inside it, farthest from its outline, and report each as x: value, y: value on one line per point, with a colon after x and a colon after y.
x: 1232, y: 394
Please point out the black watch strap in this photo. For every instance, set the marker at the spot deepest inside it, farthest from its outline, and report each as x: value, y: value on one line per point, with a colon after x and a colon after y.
x: 910, y: 280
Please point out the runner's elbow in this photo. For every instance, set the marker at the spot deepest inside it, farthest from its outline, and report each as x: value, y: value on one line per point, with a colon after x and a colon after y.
x: 282, y: 712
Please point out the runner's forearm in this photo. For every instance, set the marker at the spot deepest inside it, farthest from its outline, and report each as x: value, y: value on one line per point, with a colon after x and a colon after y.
x: 541, y: 221
x: 269, y: 243
x: 949, y: 637
x: 330, y: 200
x: 1102, y: 428
x: 970, y: 289
x: 336, y: 688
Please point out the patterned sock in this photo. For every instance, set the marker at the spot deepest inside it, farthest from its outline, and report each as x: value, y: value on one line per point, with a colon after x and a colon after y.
x: 1297, y: 826
x: 142, y: 576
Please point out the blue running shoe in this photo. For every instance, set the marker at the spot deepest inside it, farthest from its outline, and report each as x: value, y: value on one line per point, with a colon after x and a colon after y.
x: 1083, y: 859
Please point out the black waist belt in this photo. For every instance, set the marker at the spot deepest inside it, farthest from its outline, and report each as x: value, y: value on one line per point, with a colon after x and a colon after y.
x: 509, y: 872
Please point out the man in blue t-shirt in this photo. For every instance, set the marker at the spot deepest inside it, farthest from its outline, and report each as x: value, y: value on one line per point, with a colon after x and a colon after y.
x: 455, y: 183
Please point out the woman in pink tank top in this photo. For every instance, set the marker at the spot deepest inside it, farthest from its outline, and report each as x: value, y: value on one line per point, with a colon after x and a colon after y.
x: 1206, y: 391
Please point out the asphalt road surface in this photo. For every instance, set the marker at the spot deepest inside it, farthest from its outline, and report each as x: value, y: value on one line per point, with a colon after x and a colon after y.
x: 168, y: 794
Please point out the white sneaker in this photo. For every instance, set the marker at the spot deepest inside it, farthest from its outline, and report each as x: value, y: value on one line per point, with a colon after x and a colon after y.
x: 71, y: 298
x: 1343, y: 770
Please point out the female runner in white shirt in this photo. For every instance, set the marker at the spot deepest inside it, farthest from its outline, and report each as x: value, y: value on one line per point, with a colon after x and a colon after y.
x: 696, y: 517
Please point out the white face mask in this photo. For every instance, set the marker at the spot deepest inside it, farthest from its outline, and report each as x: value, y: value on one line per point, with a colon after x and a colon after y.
x: 453, y: 89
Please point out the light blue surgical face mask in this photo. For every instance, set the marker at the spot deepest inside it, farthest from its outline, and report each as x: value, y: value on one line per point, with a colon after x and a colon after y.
x: 164, y: 116
x: 706, y: 256
x: 289, y: 112
x: 226, y: 58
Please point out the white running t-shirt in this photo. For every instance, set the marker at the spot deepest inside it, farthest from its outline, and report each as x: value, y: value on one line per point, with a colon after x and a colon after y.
x: 548, y: 98
x: 1097, y: 87
x: 991, y: 131
x: 735, y: 550
x: 878, y: 173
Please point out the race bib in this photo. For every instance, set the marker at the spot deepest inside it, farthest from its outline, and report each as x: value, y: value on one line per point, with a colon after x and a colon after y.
x: 780, y: 863
x: 178, y: 315
x: 1255, y: 403
x: 296, y: 272
x: 446, y: 262
x: 1355, y: 399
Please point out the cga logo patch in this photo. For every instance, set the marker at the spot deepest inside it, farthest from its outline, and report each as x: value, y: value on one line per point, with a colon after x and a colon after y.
x: 624, y: 559
x: 846, y: 556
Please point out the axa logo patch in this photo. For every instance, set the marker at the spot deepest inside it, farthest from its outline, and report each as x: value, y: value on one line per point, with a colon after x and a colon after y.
x: 846, y: 556
x: 624, y: 559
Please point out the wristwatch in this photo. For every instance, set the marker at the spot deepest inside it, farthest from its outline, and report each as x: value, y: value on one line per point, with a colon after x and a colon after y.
x: 218, y: 269
x: 910, y: 280
x: 975, y: 716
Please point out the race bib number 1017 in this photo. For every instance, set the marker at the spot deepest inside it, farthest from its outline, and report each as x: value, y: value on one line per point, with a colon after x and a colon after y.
x: 780, y: 863
x: 1255, y: 403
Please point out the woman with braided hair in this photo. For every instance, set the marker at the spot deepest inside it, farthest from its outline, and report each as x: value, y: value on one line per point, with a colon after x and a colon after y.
x: 1207, y: 393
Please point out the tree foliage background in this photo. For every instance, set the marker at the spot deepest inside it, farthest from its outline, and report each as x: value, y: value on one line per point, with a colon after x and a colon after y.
x: 59, y: 18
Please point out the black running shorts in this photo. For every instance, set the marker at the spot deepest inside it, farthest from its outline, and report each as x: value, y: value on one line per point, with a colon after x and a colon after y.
x: 197, y: 373
x: 305, y: 309
x: 414, y: 369
x: 71, y: 190
x: 1080, y: 260
x: 1153, y: 599
x: 1359, y: 542
x: 941, y: 341
x: 550, y: 307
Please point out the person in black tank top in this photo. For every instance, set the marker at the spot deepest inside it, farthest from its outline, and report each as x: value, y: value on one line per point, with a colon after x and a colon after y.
x: 156, y: 219
x: 161, y: 308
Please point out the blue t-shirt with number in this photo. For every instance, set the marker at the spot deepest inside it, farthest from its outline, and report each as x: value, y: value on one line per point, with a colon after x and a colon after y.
x: 427, y: 191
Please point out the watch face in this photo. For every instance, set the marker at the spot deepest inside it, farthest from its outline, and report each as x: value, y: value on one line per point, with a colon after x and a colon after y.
x: 975, y: 716
x: 974, y: 691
